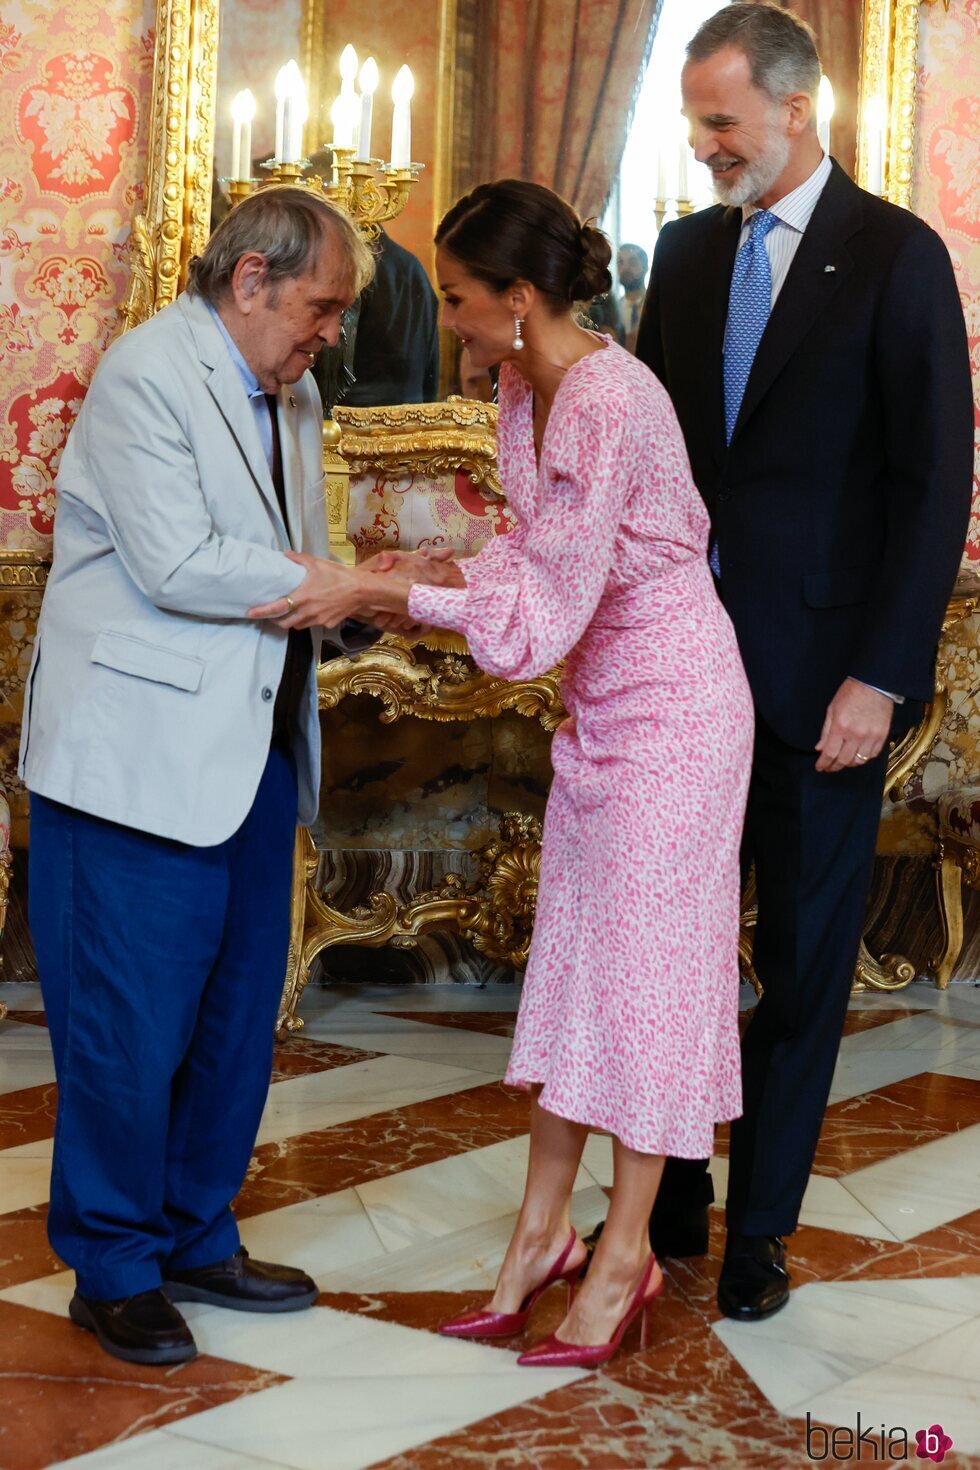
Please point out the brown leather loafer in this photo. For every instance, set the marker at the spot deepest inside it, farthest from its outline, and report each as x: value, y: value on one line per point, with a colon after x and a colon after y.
x: 144, y: 1328
x: 244, y: 1285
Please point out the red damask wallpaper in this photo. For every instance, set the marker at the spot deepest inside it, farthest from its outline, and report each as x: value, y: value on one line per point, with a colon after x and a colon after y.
x: 75, y: 83
x: 947, y: 169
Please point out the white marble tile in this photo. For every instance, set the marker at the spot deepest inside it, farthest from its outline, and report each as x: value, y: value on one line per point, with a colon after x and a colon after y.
x: 826, y: 1204
x: 445, y: 1196
x: 466, y: 1260
x: 829, y: 1332
x: 159, y: 1450
x: 597, y: 1158
x: 45, y: 1293
x: 23, y: 1181
x: 924, y: 1187
x: 22, y: 1067
x: 953, y: 1354
x: 323, y: 1099
x: 322, y: 1236
x: 908, y: 1397
x: 348, y: 1423
x: 444, y: 1045
x: 20, y: 1036
x: 371, y: 998
x: 40, y: 1148
x: 20, y: 995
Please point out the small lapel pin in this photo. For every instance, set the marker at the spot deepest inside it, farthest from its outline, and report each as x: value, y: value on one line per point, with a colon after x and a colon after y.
x: 828, y: 270
x: 292, y: 400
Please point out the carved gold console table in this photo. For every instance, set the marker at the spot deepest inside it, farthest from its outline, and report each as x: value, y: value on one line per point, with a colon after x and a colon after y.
x: 429, y: 681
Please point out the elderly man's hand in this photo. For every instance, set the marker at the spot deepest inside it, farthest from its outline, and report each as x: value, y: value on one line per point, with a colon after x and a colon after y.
x: 857, y: 725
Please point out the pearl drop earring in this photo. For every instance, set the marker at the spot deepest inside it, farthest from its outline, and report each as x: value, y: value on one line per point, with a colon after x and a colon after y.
x: 518, y: 342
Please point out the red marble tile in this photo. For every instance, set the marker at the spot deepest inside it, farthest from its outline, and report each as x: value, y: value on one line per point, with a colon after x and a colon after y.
x: 297, y: 1056
x: 63, y: 1396
x: 33, y: 1018
x: 867, y: 1020
x: 24, y: 1250
x: 27, y: 1116
x: 312, y: 1164
x: 878, y: 1125
x: 494, y: 1023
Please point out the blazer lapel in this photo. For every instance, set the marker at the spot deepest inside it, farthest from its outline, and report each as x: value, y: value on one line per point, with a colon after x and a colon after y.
x: 708, y: 315
x: 292, y: 466
x: 225, y: 386
x: 809, y: 286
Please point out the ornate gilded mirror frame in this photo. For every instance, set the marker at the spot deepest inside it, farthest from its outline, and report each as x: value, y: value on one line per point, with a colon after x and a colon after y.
x: 174, y: 223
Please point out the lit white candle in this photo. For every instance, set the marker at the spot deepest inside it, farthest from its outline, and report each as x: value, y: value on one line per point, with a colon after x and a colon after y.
x: 661, y: 173
x: 682, y: 180
x: 401, y: 118
x: 368, y: 81
x: 242, y: 113
x: 825, y: 111
x: 874, y: 127
x: 290, y: 113
x: 345, y: 108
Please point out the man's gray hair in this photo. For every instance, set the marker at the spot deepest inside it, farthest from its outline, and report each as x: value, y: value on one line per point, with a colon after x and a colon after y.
x: 781, y: 49
x: 287, y: 225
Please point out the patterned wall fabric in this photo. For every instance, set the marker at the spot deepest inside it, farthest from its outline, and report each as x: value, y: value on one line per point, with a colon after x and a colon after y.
x: 75, y: 83
x: 947, y: 169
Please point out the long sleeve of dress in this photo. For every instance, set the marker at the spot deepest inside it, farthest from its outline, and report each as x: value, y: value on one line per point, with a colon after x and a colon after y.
x: 531, y: 594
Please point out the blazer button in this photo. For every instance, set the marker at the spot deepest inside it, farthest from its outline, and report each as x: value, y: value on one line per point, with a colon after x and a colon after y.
x: 267, y: 694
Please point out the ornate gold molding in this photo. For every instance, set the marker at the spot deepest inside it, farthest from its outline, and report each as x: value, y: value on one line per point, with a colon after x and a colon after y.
x: 889, y: 50
x: 413, y: 680
x: 22, y: 569
x: 175, y: 220
x: 424, y: 438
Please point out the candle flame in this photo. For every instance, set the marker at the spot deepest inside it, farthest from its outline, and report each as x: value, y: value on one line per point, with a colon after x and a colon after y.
x: 368, y: 80
x: 825, y: 100
x: 242, y: 107
x: 348, y: 63
x: 403, y: 87
x: 289, y: 82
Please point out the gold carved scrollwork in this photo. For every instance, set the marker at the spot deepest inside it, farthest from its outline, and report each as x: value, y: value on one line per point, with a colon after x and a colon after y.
x: 424, y: 439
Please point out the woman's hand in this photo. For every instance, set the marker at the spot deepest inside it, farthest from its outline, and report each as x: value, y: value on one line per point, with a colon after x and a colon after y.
x: 328, y: 594
x: 435, y: 566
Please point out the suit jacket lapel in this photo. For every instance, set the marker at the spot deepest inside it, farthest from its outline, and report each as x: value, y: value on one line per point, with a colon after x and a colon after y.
x: 809, y: 286
x: 223, y: 382
x: 709, y: 314
x: 292, y: 465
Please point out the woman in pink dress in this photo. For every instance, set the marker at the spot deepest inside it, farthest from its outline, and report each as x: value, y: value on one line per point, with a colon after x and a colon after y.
x: 629, y: 1009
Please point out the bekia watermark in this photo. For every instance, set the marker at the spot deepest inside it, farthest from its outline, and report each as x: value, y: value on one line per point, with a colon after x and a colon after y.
x: 872, y: 1443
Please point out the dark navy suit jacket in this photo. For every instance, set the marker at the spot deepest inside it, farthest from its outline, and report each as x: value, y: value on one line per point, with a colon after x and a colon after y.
x: 841, y: 505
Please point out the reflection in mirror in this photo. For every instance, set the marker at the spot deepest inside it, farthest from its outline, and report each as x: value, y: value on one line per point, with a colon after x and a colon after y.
x: 503, y: 89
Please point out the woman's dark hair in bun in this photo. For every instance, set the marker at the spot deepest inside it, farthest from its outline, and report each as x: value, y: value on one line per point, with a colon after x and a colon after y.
x: 512, y: 230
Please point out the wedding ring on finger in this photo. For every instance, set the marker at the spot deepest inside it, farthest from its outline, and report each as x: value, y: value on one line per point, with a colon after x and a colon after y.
x: 859, y: 757
x: 289, y: 603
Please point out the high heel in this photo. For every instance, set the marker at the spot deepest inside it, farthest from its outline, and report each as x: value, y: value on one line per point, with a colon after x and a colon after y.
x: 553, y: 1353
x: 483, y: 1323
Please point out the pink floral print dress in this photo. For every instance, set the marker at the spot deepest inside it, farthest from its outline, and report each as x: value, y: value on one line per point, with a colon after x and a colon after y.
x: 629, y: 1010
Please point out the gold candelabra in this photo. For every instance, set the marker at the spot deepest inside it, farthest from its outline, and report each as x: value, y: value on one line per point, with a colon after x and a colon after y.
x: 661, y: 207
x: 370, y: 191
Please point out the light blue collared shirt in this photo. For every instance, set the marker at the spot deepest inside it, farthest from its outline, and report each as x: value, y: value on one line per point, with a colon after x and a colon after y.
x: 251, y: 385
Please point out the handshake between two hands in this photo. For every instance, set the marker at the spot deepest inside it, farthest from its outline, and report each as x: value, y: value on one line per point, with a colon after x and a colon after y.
x: 375, y: 593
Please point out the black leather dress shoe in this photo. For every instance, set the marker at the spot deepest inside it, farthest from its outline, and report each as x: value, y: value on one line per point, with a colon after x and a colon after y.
x: 139, y: 1329
x: 244, y: 1285
x: 754, y: 1282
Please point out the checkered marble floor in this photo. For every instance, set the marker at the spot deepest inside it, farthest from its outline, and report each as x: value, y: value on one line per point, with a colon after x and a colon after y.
x: 390, y: 1165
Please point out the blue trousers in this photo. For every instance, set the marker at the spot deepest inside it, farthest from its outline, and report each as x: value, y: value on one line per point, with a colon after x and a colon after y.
x: 161, y: 968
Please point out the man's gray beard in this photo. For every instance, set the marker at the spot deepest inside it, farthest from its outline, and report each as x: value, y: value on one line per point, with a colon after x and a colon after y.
x: 757, y: 177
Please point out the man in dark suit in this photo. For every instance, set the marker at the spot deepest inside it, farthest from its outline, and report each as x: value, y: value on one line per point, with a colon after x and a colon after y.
x: 396, y: 348
x: 811, y: 338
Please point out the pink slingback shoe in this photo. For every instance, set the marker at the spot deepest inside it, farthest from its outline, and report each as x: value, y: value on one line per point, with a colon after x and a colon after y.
x: 553, y: 1353
x: 483, y: 1323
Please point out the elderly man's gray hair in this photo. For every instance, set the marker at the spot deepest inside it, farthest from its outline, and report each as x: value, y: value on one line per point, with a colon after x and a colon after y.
x: 780, y: 48
x: 287, y: 226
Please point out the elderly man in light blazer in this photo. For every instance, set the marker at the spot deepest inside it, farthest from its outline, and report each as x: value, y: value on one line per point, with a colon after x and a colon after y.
x: 169, y: 746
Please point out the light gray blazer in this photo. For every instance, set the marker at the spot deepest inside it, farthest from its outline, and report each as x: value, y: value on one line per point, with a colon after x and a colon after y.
x: 150, y: 697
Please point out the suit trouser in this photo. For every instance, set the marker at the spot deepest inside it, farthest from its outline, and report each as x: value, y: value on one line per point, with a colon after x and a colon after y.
x: 161, y: 968
x: 811, y: 837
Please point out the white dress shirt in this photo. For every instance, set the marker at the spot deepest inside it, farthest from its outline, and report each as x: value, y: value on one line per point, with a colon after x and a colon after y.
x: 793, y: 212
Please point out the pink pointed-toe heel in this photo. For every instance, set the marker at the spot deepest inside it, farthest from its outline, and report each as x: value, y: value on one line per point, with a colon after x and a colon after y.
x: 553, y: 1353
x: 483, y: 1323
